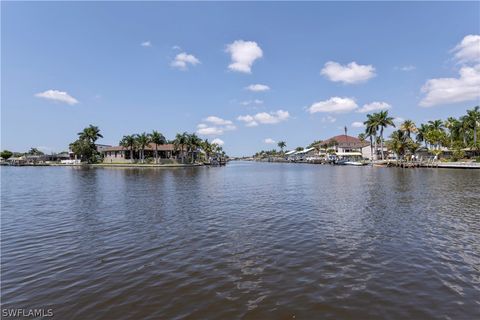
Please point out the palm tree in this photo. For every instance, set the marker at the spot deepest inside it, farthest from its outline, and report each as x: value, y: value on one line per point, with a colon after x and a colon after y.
x: 181, y: 139
x: 474, y: 121
x: 90, y: 133
x: 453, y: 126
x: 142, y: 141
x: 129, y: 142
x: 421, y: 133
x: 207, y: 148
x: 383, y: 121
x: 371, y: 129
x: 158, y: 139
x: 281, y: 145
x: 408, y: 126
x: 398, y: 143
x: 193, y: 142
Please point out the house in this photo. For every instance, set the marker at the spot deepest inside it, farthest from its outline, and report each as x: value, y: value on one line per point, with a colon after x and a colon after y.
x: 122, y: 154
x: 348, y: 146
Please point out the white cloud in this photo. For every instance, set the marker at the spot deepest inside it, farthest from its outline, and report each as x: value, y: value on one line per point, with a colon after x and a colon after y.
x: 243, y: 55
x: 469, y: 49
x: 398, y: 120
x: 258, y: 87
x: 329, y: 119
x: 453, y: 90
x: 350, y: 74
x: 265, y: 118
x: 182, y: 60
x: 406, y: 68
x: 250, y: 102
x: 357, y: 124
x: 333, y: 105
x: 218, y: 121
x: 58, y: 96
x: 146, y: 44
x: 210, y: 131
x: 217, y: 126
x: 374, y: 106
x: 218, y: 141
x: 269, y: 141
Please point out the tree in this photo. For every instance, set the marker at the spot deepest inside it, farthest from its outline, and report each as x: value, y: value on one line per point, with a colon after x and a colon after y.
x: 90, y: 133
x: 35, y: 152
x: 383, y: 121
x: 281, y: 145
x: 129, y: 142
x: 398, y: 143
x: 142, y: 141
x: 371, y: 129
x: 298, y: 149
x: 84, y: 146
x: 408, y: 126
x: 473, y: 118
x: 181, y: 139
x: 5, y: 154
x: 158, y: 139
x: 193, y: 142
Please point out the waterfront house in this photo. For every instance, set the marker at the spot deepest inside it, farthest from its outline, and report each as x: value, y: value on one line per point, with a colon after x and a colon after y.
x: 121, y: 154
x: 348, y: 146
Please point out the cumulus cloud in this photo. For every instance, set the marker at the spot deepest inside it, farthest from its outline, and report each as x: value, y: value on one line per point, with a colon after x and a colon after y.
x: 243, y: 55
x: 182, y: 60
x: 209, y: 131
x: 218, y: 141
x: 357, y: 124
x: 216, y: 127
x: 468, y: 50
x: 453, y: 90
x: 218, y: 121
x: 406, y: 68
x: 146, y: 44
x: 269, y: 141
x: 258, y: 87
x: 333, y: 105
x: 374, y: 106
x: 250, y: 102
x: 350, y: 74
x: 57, y: 96
x: 265, y: 118
x: 398, y: 120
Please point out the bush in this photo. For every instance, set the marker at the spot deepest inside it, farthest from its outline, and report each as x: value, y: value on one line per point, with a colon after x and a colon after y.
x: 458, y: 154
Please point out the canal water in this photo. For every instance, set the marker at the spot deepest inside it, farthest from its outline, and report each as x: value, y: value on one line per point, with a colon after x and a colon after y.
x: 244, y: 241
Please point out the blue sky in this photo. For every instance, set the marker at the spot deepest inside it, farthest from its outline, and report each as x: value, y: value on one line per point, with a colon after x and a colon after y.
x: 174, y: 67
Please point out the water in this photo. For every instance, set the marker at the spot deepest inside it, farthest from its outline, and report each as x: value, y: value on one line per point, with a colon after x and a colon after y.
x: 249, y: 240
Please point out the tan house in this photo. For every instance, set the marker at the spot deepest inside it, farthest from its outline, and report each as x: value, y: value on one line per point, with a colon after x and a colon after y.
x: 121, y: 154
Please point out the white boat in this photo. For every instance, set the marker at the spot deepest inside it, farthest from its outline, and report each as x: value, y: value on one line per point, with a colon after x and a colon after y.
x: 353, y: 163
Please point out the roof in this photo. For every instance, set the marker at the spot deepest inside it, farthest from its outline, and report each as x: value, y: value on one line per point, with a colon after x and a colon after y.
x: 290, y: 152
x: 305, y: 150
x: 345, y: 140
x: 150, y: 146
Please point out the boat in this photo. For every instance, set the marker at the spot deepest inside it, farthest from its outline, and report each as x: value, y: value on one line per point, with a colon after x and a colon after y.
x: 354, y: 163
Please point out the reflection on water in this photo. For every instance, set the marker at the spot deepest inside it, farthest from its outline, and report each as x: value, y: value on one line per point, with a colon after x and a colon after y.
x: 247, y: 240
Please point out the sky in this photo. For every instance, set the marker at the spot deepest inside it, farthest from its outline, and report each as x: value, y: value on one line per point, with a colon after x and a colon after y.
x: 245, y: 75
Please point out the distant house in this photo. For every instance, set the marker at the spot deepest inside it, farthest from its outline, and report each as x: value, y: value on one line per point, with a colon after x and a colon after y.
x: 345, y: 145
x: 122, y: 154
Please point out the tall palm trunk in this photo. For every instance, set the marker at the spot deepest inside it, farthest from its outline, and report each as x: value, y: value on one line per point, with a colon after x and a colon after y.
x: 381, y: 143
x: 131, y: 154
x: 371, y: 149
x: 376, y: 147
x: 156, y: 153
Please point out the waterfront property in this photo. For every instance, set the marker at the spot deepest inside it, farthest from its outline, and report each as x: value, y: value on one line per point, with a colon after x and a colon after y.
x: 166, y: 153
